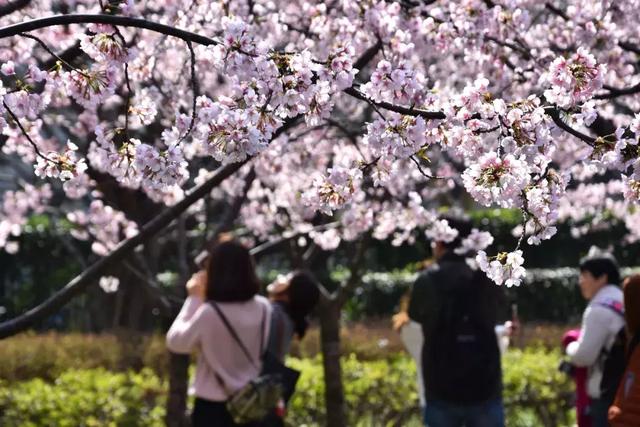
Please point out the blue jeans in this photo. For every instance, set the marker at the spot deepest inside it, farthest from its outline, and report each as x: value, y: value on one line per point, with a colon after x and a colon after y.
x: 598, y: 412
x: 439, y: 413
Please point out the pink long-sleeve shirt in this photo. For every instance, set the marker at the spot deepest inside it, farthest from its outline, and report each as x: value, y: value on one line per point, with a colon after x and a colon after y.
x: 199, y: 326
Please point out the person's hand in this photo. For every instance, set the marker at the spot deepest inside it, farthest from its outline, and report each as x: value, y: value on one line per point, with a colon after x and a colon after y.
x: 197, y: 284
x: 614, y: 412
x: 399, y: 320
x: 512, y: 327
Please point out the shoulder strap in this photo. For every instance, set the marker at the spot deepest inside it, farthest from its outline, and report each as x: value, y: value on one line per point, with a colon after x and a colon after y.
x: 262, y: 327
x: 234, y: 334
x: 613, y: 305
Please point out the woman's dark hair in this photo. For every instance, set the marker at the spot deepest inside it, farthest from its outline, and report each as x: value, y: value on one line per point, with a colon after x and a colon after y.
x: 231, y: 275
x: 599, y: 265
x: 304, y: 293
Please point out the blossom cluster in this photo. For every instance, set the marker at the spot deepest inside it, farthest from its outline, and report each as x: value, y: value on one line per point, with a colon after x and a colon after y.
x: 400, y: 84
x: 103, y: 224
x: 63, y: 166
x: 476, y: 241
x: 333, y: 191
x: 14, y: 211
x: 496, y: 179
x: 575, y: 79
x: 399, y: 136
x: 161, y: 169
x: 505, y: 268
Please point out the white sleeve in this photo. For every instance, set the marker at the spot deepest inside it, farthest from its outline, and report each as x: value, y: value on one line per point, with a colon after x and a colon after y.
x: 593, y: 336
x: 502, y: 335
x: 185, y: 330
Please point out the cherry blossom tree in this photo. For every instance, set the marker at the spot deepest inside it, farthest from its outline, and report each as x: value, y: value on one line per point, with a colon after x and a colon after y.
x: 352, y: 119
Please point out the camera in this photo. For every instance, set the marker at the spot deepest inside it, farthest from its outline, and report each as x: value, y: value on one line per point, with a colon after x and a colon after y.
x: 566, y: 367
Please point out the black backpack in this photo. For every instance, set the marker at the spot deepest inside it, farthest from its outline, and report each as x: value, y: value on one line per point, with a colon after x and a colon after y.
x: 614, y: 360
x: 462, y: 358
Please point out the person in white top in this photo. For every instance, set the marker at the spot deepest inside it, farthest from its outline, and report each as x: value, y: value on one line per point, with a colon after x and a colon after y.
x: 228, y: 281
x: 601, y: 324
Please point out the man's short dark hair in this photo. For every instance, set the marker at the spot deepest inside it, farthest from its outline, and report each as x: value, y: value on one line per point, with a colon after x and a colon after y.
x: 462, y: 224
x: 600, y: 265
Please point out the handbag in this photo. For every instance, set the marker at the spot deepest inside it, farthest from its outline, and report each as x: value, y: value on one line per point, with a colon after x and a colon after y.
x: 259, y: 398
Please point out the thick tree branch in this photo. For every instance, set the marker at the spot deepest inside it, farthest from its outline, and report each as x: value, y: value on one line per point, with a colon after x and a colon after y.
x: 124, y: 21
x: 556, y: 11
x: 368, y: 55
x: 615, y: 92
x: 13, y: 6
x: 629, y: 47
x: 554, y: 113
x: 88, y: 277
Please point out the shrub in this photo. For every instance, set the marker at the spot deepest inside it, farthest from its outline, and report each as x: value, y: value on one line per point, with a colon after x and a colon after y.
x: 90, y: 397
x: 377, y: 392
x: 46, y: 356
x: 535, y: 393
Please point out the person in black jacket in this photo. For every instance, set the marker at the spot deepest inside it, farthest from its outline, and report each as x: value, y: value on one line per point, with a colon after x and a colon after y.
x: 456, y: 306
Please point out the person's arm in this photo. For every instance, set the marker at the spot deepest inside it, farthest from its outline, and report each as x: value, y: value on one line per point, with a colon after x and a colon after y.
x: 595, y: 328
x: 420, y: 300
x: 185, y: 330
x: 276, y: 344
x: 416, y: 300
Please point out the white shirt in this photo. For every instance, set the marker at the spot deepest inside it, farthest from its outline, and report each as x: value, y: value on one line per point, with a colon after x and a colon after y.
x: 600, y: 325
x: 198, y: 326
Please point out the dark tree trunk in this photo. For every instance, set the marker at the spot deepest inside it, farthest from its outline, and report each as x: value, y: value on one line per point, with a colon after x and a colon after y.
x: 178, y: 383
x: 330, y: 344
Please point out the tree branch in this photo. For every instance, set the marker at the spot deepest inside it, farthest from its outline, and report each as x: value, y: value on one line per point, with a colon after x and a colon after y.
x: 88, y: 277
x: 629, y: 47
x: 439, y: 115
x: 67, y: 55
x: 124, y: 21
x: 9, y: 8
x: 554, y: 113
x: 615, y: 92
x: 367, y: 56
x: 556, y: 11
x: 194, y: 91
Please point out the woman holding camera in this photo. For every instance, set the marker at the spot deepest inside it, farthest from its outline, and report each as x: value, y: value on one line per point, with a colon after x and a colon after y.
x: 230, y: 283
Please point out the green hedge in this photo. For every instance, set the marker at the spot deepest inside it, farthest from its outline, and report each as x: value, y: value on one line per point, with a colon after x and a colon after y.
x: 90, y: 397
x: 378, y: 393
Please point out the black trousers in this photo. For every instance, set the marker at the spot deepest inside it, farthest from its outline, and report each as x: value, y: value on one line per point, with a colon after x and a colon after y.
x: 213, y: 414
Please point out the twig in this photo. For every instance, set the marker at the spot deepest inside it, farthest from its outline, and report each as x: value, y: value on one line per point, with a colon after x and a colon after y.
x: 437, y: 115
x: 128, y: 84
x: 426, y: 175
x: 194, y: 90
x: 52, y: 53
x: 26, y: 135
